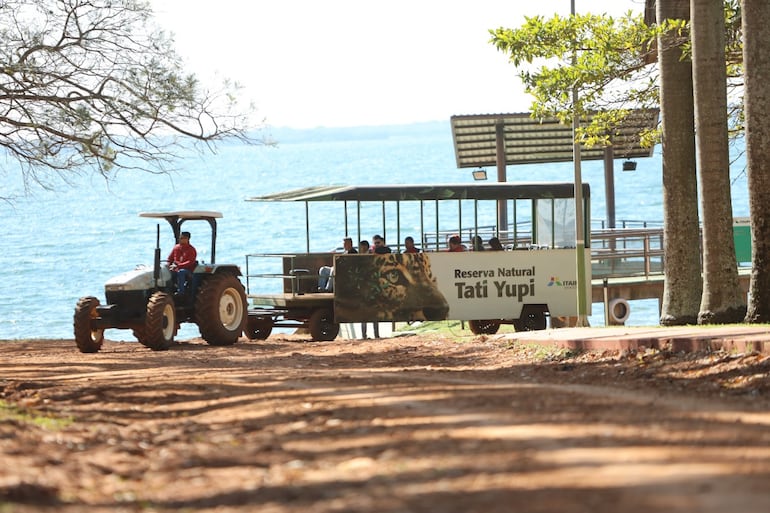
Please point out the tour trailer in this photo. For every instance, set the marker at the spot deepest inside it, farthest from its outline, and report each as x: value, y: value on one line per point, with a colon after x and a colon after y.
x: 535, y: 275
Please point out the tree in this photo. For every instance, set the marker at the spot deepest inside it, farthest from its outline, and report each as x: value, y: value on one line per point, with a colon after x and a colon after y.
x: 611, y: 71
x: 91, y: 84
x: 681, y: 232
x: 609, y: 66
x: 756, y: 60
x: 722, y: 299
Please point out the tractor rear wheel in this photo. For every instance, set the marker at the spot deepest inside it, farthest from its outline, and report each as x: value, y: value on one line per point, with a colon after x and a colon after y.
x: 88, y: 339
x: 160, y: 324
x: 322, y: 325
x: 220, y: 309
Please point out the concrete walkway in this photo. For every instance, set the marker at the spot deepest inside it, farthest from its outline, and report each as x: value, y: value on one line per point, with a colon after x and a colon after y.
x: 734, y: 337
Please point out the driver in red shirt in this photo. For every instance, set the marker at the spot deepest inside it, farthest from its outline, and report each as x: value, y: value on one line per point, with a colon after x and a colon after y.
x: 182, y: 260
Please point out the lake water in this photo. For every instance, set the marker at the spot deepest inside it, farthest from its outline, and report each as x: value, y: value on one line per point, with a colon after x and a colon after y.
x: 62, y: 244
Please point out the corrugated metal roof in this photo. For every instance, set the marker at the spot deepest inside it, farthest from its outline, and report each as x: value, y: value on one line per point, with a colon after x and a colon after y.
x: 391, y: 192
x: 529, y: 140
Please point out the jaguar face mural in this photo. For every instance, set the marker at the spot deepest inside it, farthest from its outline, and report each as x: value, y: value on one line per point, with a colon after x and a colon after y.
x: 389, y: 287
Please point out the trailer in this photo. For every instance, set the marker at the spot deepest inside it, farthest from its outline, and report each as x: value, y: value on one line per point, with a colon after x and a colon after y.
x: 533, y: 278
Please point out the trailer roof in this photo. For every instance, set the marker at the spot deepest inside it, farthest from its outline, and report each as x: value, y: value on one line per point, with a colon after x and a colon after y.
x: 417, y: 192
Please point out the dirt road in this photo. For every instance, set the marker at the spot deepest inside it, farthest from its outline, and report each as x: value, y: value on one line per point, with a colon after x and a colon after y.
x: 409, y: 424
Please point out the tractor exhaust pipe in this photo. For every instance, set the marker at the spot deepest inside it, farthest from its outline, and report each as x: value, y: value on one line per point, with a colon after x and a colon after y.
x: 156, y: 263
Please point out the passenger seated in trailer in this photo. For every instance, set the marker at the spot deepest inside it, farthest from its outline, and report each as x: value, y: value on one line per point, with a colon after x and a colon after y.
x: 326, y: 272
x: 363, y: 247
x: 409, y: 246
x: 379, y: 245
x: 325, y: 278
x: 495, y: 245
x: 456, y: 245
x: 477, y: 243
x: 347, y: 246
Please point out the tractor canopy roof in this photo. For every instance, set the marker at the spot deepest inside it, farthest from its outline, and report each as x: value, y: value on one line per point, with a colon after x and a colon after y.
x: 178, y: 217
x: 191, y: 215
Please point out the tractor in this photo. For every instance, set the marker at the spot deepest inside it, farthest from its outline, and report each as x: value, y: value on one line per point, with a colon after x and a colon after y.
x: 146, y: 299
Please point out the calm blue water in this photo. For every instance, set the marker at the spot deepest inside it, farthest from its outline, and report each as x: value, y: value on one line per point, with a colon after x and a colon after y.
x: 60, y: 245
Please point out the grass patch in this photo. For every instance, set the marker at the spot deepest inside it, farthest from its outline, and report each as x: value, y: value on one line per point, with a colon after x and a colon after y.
x: 449, y: 328
x: 452, y: 330
x: 11, y: 412
x: 541, y: 352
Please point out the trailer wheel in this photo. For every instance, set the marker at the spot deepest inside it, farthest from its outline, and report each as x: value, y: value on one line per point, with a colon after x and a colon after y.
x: 484, y: 327
x: 220, y: 309
x: 258, y: 327
x: 532, y: 318
x: 160, y: 325
x: 322, y: 325
x: 88, y: 339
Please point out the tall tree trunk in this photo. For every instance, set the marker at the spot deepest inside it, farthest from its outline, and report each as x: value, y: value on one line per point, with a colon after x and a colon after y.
x: 683, y: 283
x: 756, y: 66
x: 722, y: 300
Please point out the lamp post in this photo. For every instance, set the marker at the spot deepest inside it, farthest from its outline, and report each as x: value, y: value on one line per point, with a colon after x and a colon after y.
x: 580, y: 243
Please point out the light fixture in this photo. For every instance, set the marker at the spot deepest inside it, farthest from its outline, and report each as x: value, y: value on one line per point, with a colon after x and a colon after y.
x: 629, y: 165
x: 480, y: 174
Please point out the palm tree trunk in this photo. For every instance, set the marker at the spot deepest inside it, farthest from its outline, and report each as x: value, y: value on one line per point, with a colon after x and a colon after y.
x: 683, y: 283
x: 756, y: 64
x: 722, y: 300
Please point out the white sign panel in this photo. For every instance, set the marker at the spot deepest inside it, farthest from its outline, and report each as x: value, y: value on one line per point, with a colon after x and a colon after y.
x: 460, y: 286
x: 496, y: 284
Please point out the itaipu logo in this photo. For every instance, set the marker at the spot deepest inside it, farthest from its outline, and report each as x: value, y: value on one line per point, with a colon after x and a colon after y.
x: 556, y: 282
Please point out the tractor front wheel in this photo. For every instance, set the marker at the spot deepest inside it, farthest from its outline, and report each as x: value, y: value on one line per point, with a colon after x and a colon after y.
x: 88, y: 339
x: 160, y: 325
x: 221, y: 309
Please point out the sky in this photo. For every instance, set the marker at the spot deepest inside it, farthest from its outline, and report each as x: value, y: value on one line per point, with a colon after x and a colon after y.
x: 344, y: 63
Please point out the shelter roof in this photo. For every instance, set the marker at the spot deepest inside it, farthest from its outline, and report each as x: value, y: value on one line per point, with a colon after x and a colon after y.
x: 529, y: 140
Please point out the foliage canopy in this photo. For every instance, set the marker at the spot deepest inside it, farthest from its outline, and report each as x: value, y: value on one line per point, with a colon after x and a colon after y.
x: 610, y: 60
x: 94, y: 84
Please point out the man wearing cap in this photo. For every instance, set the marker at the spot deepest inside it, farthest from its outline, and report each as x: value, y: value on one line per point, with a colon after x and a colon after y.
x: 182, y: 260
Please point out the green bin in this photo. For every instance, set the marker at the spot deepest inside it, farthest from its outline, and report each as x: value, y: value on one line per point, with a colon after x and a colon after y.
x: 742, y: 238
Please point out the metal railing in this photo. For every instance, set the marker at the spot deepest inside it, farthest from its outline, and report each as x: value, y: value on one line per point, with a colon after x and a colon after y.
x: 623, y: 252
x: 635, y: 249
x: 270, y: 281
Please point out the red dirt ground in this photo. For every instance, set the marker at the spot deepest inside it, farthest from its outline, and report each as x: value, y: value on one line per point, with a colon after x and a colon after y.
x: 410, y: 424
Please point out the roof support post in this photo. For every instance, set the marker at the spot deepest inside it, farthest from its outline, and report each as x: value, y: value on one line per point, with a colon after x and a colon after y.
x: 502, y: 206
x: 398, y: 226
x: 423, y: 240
x: 609, y: 185
x: 345, y: 206
x: 384, y: 229
x: 307, y: 226
x: 358, y: 221
x: 437, y: 226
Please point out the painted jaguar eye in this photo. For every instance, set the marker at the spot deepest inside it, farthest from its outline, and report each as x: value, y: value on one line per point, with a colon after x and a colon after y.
x: 393, y: 276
